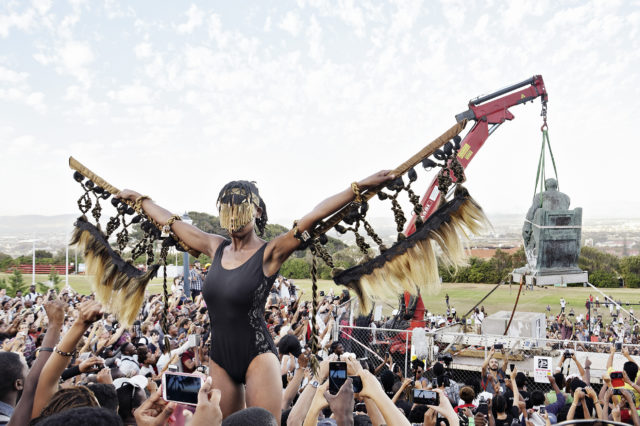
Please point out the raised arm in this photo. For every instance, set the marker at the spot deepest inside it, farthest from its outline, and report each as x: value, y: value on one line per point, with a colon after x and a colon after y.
x: 88, y: 312
x: 279, y: 249
x: 580, y: 368
x: 612, y: 353
x: 191, y: 235
x: 485, y: 364
x: 55, y: 313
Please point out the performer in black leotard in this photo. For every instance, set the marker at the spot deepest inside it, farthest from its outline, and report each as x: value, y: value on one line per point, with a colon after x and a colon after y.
x: 236, y: 299
x: 243, y: 269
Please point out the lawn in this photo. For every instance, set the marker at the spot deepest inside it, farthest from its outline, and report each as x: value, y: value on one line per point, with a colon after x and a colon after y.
x: 462, y: 296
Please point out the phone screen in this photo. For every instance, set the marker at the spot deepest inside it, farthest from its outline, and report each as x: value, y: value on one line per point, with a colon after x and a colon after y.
x: 424, y: 396
x: 357, y: 384
x: 337, y: 376
x: 617, y: 379
x: 182, y: 388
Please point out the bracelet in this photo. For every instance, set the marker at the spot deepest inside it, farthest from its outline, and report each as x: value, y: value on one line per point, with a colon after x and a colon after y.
x: 137, y: 205
x: 356, y: 191
x: 69, y: 354
x: 166, y: 229
x: 302, y: 237
x: 43, y: 349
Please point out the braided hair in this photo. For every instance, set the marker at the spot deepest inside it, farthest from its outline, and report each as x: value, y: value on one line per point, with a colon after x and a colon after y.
x: 68, y: 398
x: 248, y: 188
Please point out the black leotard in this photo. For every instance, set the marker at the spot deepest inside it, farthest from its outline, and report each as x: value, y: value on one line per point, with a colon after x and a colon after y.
x: 235, y: 299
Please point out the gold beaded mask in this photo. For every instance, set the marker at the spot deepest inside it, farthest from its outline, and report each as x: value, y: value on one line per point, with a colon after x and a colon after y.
x: 237, y: 208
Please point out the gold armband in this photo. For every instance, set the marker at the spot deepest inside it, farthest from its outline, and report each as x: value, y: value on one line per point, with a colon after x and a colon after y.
x: 356, y: 191
x: 137, y: 206
x: 166, y: 229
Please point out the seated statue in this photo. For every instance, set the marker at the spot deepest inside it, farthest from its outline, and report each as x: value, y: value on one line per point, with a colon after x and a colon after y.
x: 550, y: 199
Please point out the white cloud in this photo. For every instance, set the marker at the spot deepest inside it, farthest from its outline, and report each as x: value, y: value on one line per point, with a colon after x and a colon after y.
x: 143, y: 50
x: 314, y: 35
x: 22, y: 21
x: 267, y: 24
x: 73, y: 58
x: 131, y: 95
x: 291, y: 23
x: 195, y: 18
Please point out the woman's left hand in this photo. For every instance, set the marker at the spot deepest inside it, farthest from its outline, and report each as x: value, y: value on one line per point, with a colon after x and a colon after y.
x: 376, y: 179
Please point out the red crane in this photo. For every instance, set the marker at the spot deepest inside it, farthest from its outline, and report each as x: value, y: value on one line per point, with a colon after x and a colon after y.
x: 488, y: 117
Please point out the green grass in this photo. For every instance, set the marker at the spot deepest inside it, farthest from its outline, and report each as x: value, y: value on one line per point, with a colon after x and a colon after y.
x: 462, y: 296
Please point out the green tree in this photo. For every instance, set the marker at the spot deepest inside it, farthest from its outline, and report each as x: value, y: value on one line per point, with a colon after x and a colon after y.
x: 54, y: 280
x: 5, y: 261
x: 630, y: 270
x: 601, y: 278
x: 16, y: 283
x: 295, y: 268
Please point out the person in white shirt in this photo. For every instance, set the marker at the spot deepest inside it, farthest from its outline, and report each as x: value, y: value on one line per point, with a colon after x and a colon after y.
x: 128, y: 363
x: 166, y: 357
x: 284, y: 290
x: 563, y: 304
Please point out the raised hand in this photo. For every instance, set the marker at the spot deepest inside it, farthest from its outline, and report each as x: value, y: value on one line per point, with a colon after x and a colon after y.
x: 342, y: 403
x: 208, y: 409
x: 154, y: 411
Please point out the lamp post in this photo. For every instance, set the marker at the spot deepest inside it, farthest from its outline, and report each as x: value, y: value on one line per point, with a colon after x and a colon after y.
x: 185, y: 261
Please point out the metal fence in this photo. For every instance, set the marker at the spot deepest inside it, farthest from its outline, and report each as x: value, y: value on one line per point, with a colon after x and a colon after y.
x: 469, y: 351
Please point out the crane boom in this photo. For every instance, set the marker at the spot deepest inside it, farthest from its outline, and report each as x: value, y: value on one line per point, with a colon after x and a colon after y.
x: 489, y: 112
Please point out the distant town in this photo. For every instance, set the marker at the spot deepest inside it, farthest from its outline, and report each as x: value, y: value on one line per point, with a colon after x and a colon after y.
x: 620, y: 237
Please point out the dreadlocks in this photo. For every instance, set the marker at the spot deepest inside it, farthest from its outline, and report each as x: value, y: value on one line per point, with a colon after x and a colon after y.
x: 237, y: 202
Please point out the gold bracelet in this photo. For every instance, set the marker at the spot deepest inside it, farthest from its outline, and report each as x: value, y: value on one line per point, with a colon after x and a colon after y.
x: 68, y: 354
x: 356, y: 190
x: 166, y: 229
x: 137, y: 205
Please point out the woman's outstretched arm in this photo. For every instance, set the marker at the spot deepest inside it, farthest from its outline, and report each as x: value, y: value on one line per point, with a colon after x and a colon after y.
x: 191, y: 235
x: 279, y: 249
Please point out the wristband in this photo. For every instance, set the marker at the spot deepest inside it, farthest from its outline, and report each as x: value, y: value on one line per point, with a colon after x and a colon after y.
x: 314, y: 384
x: 68, y: 354
x: 356, y: 191
x: 43, y: 349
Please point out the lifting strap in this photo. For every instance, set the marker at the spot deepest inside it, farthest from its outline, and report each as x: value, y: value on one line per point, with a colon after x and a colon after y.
x: 541, y: 175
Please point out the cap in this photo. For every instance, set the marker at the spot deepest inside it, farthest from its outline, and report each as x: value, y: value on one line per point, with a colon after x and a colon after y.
x: 138, y: 381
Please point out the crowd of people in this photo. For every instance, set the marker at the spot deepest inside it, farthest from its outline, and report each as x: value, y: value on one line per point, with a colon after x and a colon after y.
x: 63, y: 359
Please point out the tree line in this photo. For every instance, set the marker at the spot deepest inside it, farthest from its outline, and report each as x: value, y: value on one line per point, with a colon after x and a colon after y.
x: 605, y: 270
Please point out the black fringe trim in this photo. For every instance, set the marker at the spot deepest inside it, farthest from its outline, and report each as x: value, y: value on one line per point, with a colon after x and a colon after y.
x: 122, y: 265
x: 435, y: 221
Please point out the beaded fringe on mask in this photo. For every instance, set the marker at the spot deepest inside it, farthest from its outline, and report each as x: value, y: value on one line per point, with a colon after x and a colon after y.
x: 234, y: 217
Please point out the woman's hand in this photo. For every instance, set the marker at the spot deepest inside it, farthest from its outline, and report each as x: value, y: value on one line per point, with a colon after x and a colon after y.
x: 128, y: 194
x: 154, y: 411
x: 91, y: 364
x: 89, y: 312
x: 208, y: 409
x: 376, y: 179
x: 446, y: 409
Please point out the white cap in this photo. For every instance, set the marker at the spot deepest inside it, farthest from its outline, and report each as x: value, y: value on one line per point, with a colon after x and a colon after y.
x: 138, y: 381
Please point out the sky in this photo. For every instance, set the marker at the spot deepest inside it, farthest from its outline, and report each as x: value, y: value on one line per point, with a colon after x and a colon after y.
x: 175, y: 99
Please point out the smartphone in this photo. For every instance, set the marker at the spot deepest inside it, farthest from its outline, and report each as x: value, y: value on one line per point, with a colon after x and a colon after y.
x: 172, y: 368
x: 357, y: 384
x: 498, y: 346
x: 337, y: 376
x: 512, y: 366
x: 181, y: 387
x: 424, y: 396
x: 618, y: 346
x: 194, y: 339
x: 543, y: 409
x: 617, y: 380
